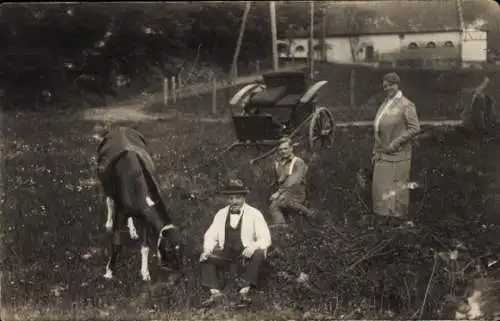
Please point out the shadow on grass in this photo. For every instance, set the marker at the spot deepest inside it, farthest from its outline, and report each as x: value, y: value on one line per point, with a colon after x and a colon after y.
x: 55, y: 245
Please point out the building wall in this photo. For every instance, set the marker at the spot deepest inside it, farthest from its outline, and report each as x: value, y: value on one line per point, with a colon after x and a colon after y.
x: 474, y: 46
x: 339, y: 48
x: 381, y: 44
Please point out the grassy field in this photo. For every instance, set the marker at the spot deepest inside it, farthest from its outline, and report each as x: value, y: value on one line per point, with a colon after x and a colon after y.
x: 55, y: 244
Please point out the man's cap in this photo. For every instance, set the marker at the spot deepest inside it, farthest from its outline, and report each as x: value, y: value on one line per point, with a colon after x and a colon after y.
x: 235, y: 187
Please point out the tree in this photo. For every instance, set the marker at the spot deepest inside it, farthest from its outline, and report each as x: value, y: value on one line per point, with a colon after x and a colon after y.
x: 76, y: 49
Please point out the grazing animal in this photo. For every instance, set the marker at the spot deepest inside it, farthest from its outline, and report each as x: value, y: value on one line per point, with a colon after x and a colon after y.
x: 128, y: 177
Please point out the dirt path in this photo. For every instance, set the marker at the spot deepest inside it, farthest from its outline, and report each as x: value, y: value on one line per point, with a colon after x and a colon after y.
x: 135, y: 112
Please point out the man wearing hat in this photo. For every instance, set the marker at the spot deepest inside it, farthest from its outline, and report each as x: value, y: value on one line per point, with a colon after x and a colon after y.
x: 237, y: 231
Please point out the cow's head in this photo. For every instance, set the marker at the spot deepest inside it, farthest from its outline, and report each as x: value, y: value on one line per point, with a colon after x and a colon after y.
x: 170, y: 246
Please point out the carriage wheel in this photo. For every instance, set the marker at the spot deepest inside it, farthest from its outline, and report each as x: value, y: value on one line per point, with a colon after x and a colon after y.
x: 322, y: 129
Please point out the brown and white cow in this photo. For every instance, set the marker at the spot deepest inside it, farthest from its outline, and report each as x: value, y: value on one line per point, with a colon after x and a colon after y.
x: 128, y: 177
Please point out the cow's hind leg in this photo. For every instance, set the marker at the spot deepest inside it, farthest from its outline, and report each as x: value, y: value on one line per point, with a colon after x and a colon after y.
x: 114, y: 249
x: 131, y: 229
x: 145, y: 256
x: 110, y: 214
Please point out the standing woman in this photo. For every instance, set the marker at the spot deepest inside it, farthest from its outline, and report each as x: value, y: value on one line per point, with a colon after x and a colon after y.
x: 396, y: 123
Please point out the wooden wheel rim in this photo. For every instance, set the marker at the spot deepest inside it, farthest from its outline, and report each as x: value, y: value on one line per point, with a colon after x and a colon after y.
x: 323, y: 120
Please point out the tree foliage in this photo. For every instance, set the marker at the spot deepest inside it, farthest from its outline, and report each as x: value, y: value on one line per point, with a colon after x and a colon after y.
x: 72, y: 49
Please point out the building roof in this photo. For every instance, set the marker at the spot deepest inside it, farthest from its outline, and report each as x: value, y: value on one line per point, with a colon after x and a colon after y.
x: 347, y: 18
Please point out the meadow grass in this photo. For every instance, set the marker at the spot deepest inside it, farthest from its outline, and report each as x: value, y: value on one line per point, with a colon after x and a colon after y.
x: 54, y: 241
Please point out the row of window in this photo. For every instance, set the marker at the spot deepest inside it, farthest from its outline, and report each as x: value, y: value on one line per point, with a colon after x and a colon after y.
x: 412, y: 45
x: 284, y: 48
x: 430, y: 44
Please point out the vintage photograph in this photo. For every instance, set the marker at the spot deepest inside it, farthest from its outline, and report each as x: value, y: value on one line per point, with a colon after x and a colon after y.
x: 250, y: 160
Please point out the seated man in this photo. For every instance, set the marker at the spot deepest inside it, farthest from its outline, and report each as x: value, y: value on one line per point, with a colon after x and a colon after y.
x: 237, y: 231
x: 480, y: 114
x: 291, y: 181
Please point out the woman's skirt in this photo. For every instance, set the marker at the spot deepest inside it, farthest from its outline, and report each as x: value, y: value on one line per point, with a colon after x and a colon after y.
x: 390, y: 192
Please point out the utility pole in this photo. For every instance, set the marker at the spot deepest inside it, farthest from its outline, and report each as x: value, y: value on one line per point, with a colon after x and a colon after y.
x: 460, y: 15
x: 323, y: 36
x: 274, y: 34
x: 311, y: 39
x: 462, y: 27
x: 234, y: 67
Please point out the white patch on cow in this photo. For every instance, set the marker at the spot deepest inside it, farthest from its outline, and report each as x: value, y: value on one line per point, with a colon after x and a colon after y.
x: 109, y: 274
x: 131, y: 229
x: 149, y: 201
x: 110, y: 205
x: 144, y: 264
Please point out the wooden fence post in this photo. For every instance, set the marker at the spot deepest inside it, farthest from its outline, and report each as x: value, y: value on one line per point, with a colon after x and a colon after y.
x: 213, y: 82
x: 179, y: 81
x: 352, y: 89
x: 174, y: 98
x: 165, y: 91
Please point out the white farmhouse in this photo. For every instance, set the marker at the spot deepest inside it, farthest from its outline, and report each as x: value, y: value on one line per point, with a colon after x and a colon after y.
x: 391, y: 30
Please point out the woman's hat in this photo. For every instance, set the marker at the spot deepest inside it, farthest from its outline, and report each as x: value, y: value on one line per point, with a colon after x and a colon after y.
x: 392, y: 78
x: 235, y: 187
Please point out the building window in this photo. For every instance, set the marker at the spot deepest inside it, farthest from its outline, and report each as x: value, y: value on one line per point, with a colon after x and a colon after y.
x: 431, y: 45
x: 282, y: 48
x: 318, y: 47
x: 300, y: 48
x: 449, y: 44
x: 412, y: 45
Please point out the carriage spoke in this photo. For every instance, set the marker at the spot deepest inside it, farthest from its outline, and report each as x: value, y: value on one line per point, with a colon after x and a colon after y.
x: 322, y: 129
